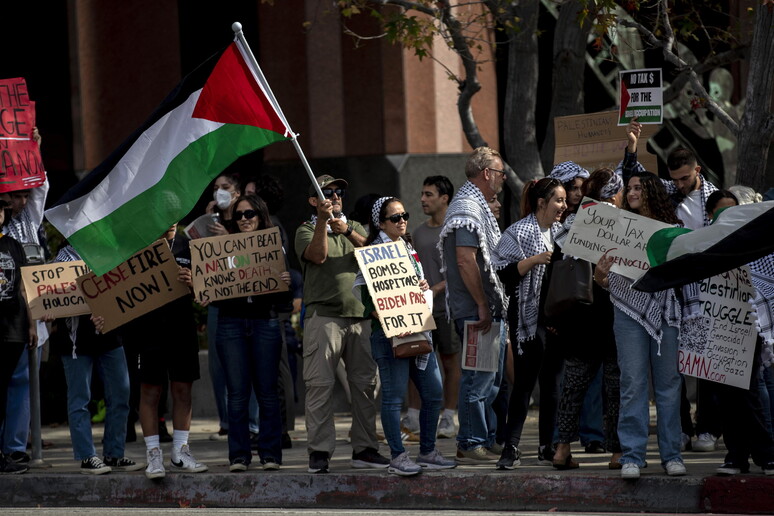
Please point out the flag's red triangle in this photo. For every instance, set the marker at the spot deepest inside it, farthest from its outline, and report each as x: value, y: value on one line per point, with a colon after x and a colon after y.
x: 625, y: 98
x: 232, y: 96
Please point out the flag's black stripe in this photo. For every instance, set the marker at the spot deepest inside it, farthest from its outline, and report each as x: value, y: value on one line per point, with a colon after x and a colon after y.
x: 748, y: 243
x: 190, y: 83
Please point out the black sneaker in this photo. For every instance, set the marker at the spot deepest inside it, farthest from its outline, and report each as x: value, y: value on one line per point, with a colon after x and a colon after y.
x: 122, y: 464
x: 369, y: 458
x: 9, y: 467
x: 595, y: 447
x: 238, y: 465
x: 768, y: 468
x: 287, y: 442
x: 510, y: 458
x: 318, y: 462
x: 546, y: 455
x: 94, y: 466
x: 19, y: 457
x: 729, y: 468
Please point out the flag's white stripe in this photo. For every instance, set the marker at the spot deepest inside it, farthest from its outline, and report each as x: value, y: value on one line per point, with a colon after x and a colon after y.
x: 144, y: 164
x: 730, y: 220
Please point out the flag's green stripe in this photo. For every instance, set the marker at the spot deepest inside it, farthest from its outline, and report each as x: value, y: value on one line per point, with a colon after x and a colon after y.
x: 659, y: 243
x: 139, y: 221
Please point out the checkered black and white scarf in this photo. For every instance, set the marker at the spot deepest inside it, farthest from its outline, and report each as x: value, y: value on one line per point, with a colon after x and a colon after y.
x: 763, y: 280
x: 468, y: 209
x: 520, y: 241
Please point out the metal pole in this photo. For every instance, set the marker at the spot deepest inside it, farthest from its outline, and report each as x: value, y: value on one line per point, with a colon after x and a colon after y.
x: 237, y: 28
x: 36, y: 460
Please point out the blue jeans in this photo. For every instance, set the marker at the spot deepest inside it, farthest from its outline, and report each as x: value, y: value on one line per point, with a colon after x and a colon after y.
x: 218, y: 376
x: 250, y: 351
x: 112, y: 368
x: 638, y: 354
x: 394, y: 374
x: 17, y: 421
x: 478, y: 390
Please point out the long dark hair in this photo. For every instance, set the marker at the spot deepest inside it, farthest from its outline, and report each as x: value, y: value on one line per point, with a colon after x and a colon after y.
x: 373, y: 231
x: 716, y: 196
x: 534, y: 190
x: 593, y: 185
x: 264, y: 222
x: 655, y: 199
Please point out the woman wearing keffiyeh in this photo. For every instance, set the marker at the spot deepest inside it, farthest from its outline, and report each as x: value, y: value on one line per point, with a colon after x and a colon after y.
x: 389, y: 222
x: 646, y: 327
x: 571, y: 175
x: 523, y: 256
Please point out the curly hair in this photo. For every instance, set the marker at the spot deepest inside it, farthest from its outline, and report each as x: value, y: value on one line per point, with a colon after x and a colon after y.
x: 593, y: 185
x: 655, y: 199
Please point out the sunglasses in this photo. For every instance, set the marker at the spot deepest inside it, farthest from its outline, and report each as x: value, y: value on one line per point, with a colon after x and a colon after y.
x: 397, y: 216
x: 248, y: 214
x: 328, y: 192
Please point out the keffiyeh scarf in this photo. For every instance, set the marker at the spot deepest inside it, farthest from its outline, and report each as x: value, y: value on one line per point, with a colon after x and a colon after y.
x: 313, y: 221
x: 567, y: 171
x: 520, y: 241
x: 421, y: 361
x: 763, y: 280
x: 468, y: 209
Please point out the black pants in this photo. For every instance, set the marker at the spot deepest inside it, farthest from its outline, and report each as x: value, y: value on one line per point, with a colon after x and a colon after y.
x: 537, y: 362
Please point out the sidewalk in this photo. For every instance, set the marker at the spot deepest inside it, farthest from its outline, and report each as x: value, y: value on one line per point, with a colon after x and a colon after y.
x: 593, y: 487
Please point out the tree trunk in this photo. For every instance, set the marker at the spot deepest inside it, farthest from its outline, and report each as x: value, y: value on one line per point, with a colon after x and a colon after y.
x: 521, y: 149
x: 757, y: 126
x: 568, y: 70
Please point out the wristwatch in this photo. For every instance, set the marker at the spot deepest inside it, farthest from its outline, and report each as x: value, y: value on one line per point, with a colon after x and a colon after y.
x: 348, y: 231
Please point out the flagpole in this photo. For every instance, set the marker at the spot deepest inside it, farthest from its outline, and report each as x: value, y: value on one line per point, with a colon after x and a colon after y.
x: 237, y: 28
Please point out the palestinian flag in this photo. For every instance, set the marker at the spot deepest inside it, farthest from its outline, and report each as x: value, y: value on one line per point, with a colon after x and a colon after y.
x: 739, y: 235
x: 223, y: 110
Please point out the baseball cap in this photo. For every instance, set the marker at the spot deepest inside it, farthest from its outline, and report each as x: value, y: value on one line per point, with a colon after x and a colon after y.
x: 325, y: 180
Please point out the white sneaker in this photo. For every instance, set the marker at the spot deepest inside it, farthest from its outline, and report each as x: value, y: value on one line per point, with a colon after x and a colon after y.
x: 630, y: 471
x: 705, y: 442
x: 184, y: 461
x: 675, y: 468
x: 685, y: 442
x: 410, y: 424
x: 446, y: 428
x: 155, y: 467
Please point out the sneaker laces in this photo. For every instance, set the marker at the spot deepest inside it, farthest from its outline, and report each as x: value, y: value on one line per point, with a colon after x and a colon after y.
x: 94, y: 462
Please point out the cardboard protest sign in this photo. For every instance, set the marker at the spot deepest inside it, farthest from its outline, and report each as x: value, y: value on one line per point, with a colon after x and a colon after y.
x: 238, y: 265
x: 600, y: 228
x: 718, y: 345
x: 53, y: 290
x: 594, y: 140
x: 144, y: 282
x: 393, y: 284
x: 640, y: 96
x: 21, y: 166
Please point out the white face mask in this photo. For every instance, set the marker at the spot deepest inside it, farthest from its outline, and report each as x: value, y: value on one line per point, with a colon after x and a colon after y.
x: 222, y: 198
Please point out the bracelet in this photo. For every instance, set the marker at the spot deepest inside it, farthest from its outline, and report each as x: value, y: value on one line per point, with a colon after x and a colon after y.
x: 348, y: 231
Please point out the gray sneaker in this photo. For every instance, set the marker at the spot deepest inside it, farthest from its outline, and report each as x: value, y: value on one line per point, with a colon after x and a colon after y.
x: 435, y: 460
x: 403, y: 465
x: 446, y: 428
x: 155, y: 467
x: 184, y: 461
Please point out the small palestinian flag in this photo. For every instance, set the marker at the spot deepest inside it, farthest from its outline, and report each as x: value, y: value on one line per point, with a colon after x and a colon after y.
x: 739, y: 235
x: 219, y: 112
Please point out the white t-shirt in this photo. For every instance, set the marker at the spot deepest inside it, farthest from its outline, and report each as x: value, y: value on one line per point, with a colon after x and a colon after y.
x: 690, y: 211
x: 546, y: 233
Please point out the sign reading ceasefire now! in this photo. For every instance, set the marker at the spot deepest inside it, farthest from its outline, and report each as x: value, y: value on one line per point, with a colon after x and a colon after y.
x: 53, y: 290
x: 238, y: 265
x: 394, y: 287
x: 144, y: 282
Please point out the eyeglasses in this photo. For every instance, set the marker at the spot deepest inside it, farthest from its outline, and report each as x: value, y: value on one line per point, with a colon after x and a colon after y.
x: 395, y: 218
x: 248, y: 214
x: 328, y: 192
x: 496, y: 170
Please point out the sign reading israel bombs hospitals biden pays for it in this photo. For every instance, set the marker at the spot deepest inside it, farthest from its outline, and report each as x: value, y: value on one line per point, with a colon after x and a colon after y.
x: 238, y: 265
x: 601, y: 228
x: 393, y: 284
x: 145, y: 281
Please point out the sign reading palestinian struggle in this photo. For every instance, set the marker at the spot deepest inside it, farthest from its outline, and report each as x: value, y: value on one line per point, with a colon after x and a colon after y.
x: 21, y: 166
x: 238, y: 265
x: 53, y: 290
x: 719, y: 342
x: 594, y: 140
x: 600, y: 228
x: 144, y: 282
x: 393, y: 284
x: 640, y: 96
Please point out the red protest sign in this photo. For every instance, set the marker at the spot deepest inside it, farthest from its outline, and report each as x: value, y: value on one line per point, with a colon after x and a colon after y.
x: 21, y: 166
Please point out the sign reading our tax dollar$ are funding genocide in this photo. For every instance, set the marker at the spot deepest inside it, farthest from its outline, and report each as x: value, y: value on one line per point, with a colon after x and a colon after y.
x: 238, y: 265
x: 52, y: 289
x: 145, y: 281
x: 393, y: 284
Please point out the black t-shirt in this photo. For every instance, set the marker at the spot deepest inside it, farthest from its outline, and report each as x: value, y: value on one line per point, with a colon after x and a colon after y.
x: 14, y: 325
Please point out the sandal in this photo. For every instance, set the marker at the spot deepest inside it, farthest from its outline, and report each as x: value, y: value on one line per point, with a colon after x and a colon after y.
x: 568, y: 463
